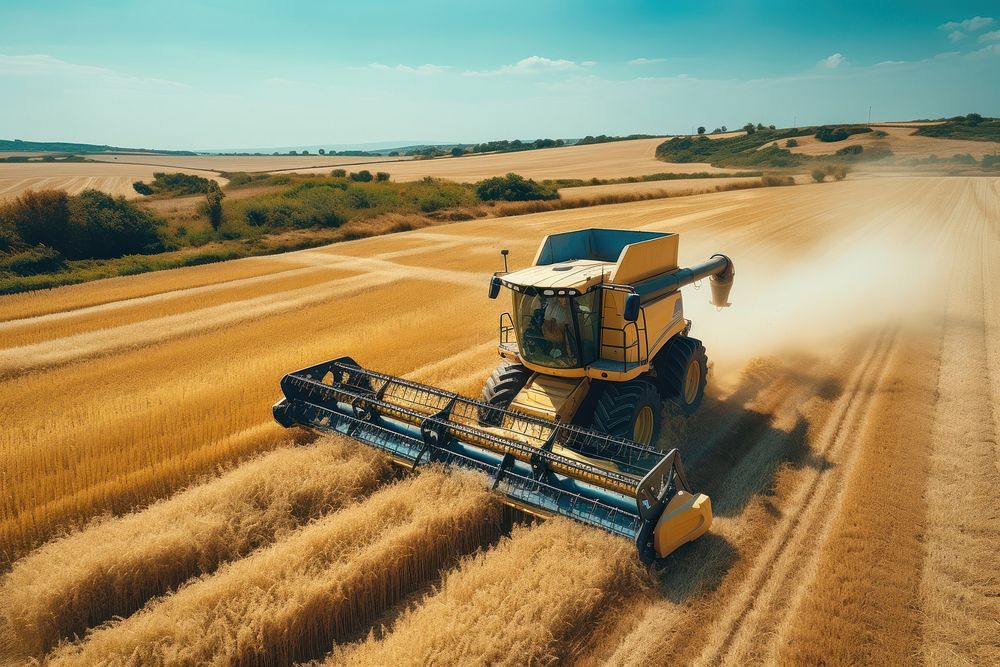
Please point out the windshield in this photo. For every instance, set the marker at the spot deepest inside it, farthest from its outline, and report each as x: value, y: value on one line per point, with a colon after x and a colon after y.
x: 557, y: 331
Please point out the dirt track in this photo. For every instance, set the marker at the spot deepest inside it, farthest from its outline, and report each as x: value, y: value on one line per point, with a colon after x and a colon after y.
x: 849, y: 443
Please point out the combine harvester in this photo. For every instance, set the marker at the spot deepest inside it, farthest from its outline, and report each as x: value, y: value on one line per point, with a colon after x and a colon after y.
x: 568, y: 422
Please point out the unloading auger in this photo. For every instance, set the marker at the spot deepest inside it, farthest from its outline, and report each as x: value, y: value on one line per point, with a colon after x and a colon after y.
x: 568, y: 422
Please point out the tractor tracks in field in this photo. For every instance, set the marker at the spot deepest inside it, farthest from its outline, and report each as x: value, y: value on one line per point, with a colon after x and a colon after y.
x: 781, y: 560
x: 772, y: 490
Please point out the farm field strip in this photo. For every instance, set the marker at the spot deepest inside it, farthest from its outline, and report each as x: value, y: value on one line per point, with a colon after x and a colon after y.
x: 88, y: 344
x: 113, y: 290
x: 139, y: 301
x: 958, y: 589
x: 248, y: 163
x: 200, y: 415
x: 754, y: 509
x: 110, y: 317
x: 566, y: 577
x: 74, y: 177
x: 113, y: 567
x: 901, y: 141
x: 290, y: 601
x: 617, y: 159
x: 671, y: 188
x: 734, y: 637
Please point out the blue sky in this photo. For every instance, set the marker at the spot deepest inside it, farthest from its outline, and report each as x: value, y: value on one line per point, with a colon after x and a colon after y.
x: 229, y: 74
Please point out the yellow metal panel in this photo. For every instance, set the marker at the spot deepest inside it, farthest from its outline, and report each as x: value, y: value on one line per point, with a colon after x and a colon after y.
x: 686, y: 518
x: 646, y: 259
x: 664, y: 318
x: 579, y: 274
x: 552, y: 398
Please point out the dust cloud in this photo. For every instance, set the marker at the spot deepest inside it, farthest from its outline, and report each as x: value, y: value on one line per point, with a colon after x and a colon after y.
x: 815, y: 302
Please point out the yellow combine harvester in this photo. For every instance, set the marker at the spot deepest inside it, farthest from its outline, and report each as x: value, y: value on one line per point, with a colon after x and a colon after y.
x: 569, y: 421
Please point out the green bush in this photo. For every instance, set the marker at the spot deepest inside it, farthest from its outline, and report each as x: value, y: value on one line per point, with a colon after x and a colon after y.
x: 772, y: 181
x: 831, y: 134
x: 104, y: 227
x: 241, y: 178
x: 837, y: 171
x: 31, y: 262
x: 740, y: 151
x: 175, y: 185
x: 363, y: 176
x: 89, y: 225
x: 513, y: 187
x: 86, y: 226
x: 339, y: 173
x: 381, y: 176
x: 991, y: 162
x: 256, y: 216
x: 972, y: 126
x: 213, y: 205
x: 856, y: 149
x: 818, y: 175
x: 39, y: 218
x: 791, y: 143
x: 330, y: 202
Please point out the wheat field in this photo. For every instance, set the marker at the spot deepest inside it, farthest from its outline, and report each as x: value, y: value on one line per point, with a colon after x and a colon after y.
x: 152, y: 512
x: 74, y: 177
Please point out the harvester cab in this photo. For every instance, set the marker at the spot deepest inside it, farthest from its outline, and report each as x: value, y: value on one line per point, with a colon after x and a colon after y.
x: 597, y: 334
x: 568, y: 423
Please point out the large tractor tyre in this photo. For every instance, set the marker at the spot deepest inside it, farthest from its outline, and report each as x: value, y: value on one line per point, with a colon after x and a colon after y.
x: 630, y: 410
x: 503, y: 384
x: 682, y: 371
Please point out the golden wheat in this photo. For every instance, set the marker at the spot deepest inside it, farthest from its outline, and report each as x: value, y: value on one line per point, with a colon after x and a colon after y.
x: 69, y: 323
x: 180, y: 408
x: 528, y: 601
x: 114, y: 290
x: 113, y: 567
x: 292, y: 600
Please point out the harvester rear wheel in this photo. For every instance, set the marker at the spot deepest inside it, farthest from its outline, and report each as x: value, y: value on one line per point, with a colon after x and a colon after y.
x: 503, y: 384
x: 629, y: 410
x: 682, y: 371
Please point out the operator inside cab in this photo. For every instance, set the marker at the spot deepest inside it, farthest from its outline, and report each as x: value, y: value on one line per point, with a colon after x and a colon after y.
x: 555, y: 322
x: 557, y: 331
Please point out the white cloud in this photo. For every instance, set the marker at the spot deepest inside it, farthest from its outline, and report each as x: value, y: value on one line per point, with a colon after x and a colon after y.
x: 991, y: 50
x: 646, y: 61
x: 534, y: 65
x: 956, y: 36
x: 968, y: 25
x: 44, y: 65
x: 833, y: 62
x: 427, y: 68
x: 990, y: 36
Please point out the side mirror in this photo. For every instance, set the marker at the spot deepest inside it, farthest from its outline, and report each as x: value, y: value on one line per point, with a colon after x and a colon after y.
x: 494, y: 287
x: 631, y: 307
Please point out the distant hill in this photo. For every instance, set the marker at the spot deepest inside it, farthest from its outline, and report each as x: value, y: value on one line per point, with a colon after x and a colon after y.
x: 63, y: 147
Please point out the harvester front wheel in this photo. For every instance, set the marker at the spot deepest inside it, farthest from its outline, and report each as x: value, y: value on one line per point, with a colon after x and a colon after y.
x: 503, y: 384
x: 629, y: 410
x: 682, y: 370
